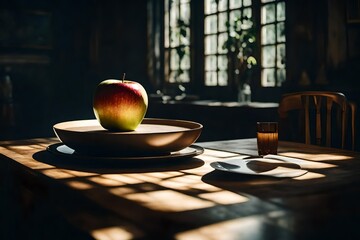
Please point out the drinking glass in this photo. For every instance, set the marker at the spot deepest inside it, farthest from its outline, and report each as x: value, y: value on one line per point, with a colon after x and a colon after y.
x: 267, y: 138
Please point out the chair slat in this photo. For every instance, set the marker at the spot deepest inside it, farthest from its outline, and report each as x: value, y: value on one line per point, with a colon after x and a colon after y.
x: 307, y: 121
x: 317, y: 102
x: 329, y: 105
x: 352, y: 107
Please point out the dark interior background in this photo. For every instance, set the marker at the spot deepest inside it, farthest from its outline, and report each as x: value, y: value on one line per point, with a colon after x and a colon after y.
x: 92, y: 40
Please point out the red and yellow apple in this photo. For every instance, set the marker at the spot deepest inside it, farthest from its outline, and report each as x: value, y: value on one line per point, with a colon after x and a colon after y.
x: 120, y: 105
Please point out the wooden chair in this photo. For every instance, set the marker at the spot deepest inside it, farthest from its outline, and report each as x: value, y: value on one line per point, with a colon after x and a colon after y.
x: 353, y: 108
x: 324, y: 115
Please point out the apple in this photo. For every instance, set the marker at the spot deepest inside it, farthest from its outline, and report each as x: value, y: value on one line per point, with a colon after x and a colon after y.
x: 120, y: 105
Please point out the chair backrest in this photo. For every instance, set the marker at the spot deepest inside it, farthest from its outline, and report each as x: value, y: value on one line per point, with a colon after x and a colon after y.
x: 320, y: 114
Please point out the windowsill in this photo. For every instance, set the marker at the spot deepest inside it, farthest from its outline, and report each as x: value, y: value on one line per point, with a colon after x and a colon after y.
x: 221, y: 120
x: 193, y: 100
x: 235, y: 104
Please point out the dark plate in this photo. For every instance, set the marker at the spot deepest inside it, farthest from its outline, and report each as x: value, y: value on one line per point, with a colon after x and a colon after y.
x: 65, y: 151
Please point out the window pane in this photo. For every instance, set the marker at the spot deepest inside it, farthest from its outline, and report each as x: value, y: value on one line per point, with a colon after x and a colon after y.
x: 247, y: 23
x: 174, y: 15
x: 166, y: 32
x: 247, y: 3
x: 268, y: 34
x: 222, y: 39
x: 268, y: 56
x: 268, y: 13
x: 268, y: 78
x: 234, y: 15
x: 280, y: 56
x: 185, y: 39
x: 223, y: 5
x: 185, y: 12
x: 184, y: 1
x: 174, y: 38
x: 281, y: 76
x: 235, y: 4
x: 185, y: 62
x: 223, y: 62
x: 247, y: 12
x: 210, y: 6
x: 173, y: 76
x: 222, y: 22
x: 210, y: 44
x: 281, y: 11
x: 210, y: 63
x: 211, y: 24
x: 223, y: 78
x: 210, y: 79
x: 167, y: 60
x: 174, y: 60
x: 281, y: 32
x: 184, y: 77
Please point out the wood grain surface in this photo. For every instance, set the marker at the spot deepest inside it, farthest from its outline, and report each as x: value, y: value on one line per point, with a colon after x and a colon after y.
x: 44, y: 196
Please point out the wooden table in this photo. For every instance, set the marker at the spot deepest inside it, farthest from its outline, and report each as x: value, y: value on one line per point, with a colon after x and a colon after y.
x: 47, y: 197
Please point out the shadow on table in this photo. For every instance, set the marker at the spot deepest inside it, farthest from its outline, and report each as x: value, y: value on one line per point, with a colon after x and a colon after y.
x: 103, y: 166
x: 260, y: 186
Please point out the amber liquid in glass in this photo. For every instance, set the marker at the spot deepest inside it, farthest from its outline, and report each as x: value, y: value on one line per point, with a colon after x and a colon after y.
x: 267, y: 143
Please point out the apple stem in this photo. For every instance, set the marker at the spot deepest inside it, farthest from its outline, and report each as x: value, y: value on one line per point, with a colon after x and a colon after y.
x: 123, y: 77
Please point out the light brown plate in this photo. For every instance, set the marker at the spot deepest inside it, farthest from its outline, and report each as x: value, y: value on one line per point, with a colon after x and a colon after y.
x: 152, y: 137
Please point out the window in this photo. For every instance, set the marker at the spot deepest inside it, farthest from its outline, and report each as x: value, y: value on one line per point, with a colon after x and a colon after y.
x: 216, y: 19
x: 177, y: 41
x: 220, y: 18
x: 272, y: 43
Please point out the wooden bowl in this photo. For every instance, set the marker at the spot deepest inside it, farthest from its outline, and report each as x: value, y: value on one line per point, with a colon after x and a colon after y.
x: 152, y: 137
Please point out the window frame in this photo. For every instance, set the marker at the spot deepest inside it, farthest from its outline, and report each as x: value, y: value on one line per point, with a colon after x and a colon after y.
x: 196, y: 85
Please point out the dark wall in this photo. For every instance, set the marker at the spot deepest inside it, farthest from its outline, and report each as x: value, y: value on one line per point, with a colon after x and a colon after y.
x: 89, y: 41
x: 322, y: 49
x: 92, y: 40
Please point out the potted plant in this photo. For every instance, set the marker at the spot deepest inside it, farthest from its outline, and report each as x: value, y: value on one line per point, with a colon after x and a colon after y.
x: 240, y: 47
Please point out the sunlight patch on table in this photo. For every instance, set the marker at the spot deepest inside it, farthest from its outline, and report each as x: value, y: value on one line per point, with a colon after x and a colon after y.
x: 311, y: 161
x: 35, y: 164
x: 310, y: 175
x: 145, y: 177
x: 210, y: 154
x: 245, y: 228
x: 204, y: 169
x: 79, y: 185
x: 121, y: 191
x: 205, y: 187
x: 169, y: 201
x: 164, y: 175
x: 112, y: 233
x: 182, y: 183
x: 64, y: 173
x: 123, y: 179
x: 25, y: 147
x: 318, y: 156
x: 105, y: 181
x: 57, y: 173
x: 80, y: 173
x: 224, y: 197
